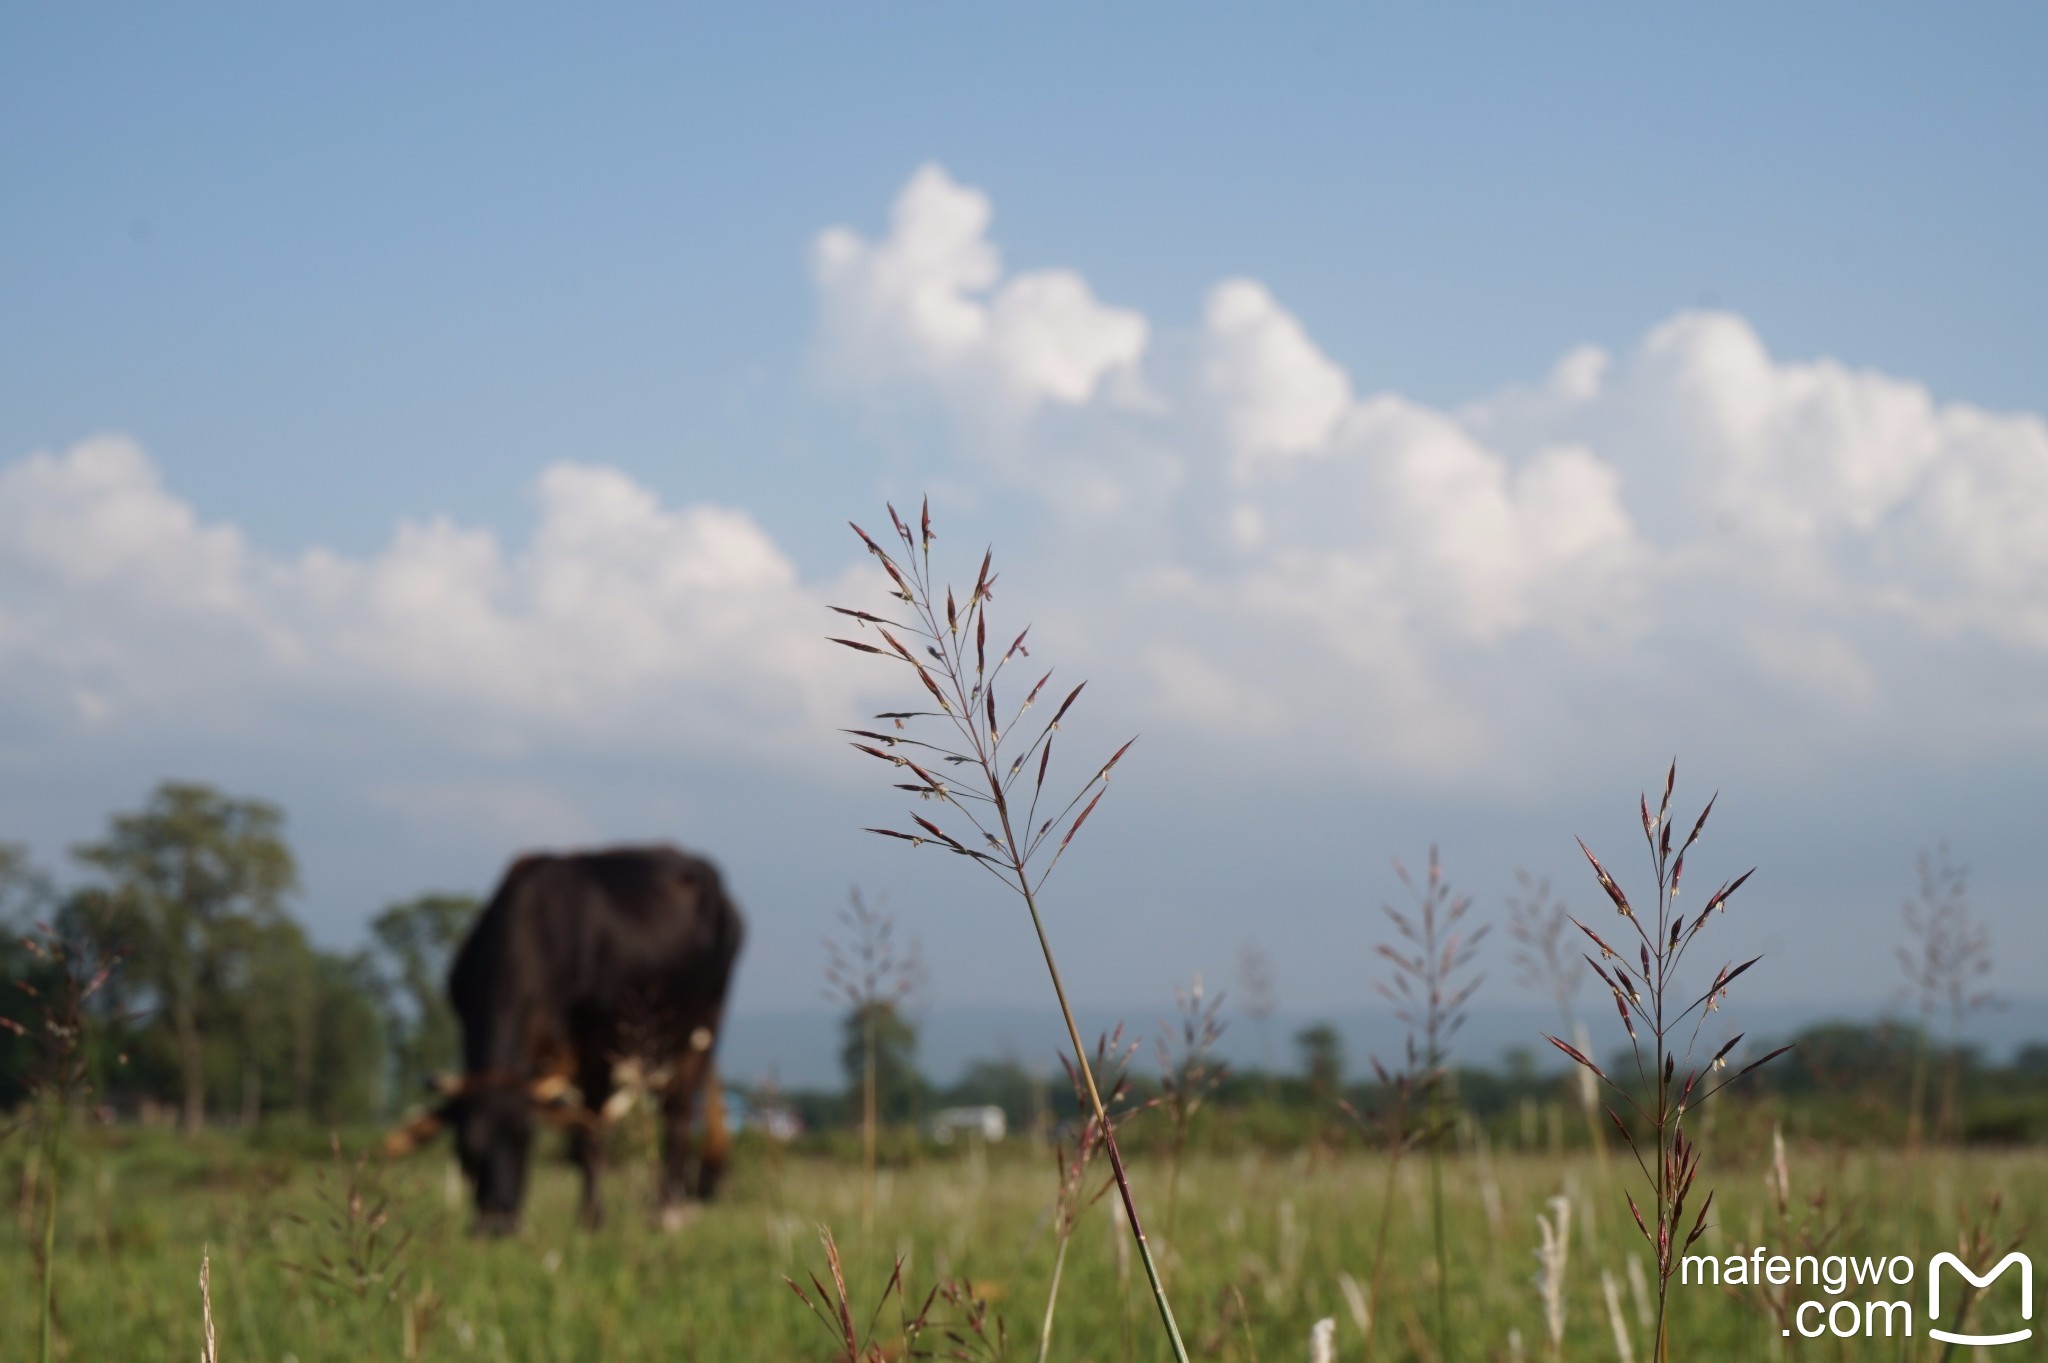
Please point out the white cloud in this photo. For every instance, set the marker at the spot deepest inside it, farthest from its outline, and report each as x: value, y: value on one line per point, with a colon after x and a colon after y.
x: 928, y: 304
x: 1481, y: 546
x: 1276, y: 392
x: 1851, y: 489
x: 1265, y: 555
x: 1293, y: 549
x: 98, y: 518
x: 681, y: 627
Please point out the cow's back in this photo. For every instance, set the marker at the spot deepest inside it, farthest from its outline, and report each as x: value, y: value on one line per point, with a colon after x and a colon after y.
x: 623, y: 945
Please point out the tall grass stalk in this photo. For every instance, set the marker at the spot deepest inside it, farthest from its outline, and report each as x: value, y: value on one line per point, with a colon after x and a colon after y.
x: 971, y: 1333
x: 1610, y: 1290
x: 948, y: 653
x: 1647, y: 995
x: 1393, y: 1126
x: 208, y: 1353
x: 869, y: 973
x: 1188, y: 1073
x: 47, y: 1307
x: 353, y: 1252
x: 1554, y: 1255
x: 1545, y: 959
x: 1112, y: 1057
x: 1948, y: 955
x: 1256, y: 1000
x: 1322, y: 1341
x: 60, y: 1076
x: 1430, y: 999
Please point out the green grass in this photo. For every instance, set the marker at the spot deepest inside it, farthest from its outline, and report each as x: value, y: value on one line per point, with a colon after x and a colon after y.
x: 1263, y: 1239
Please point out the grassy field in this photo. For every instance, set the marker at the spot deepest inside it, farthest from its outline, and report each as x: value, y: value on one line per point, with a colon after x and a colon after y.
x: 1262, y: 1246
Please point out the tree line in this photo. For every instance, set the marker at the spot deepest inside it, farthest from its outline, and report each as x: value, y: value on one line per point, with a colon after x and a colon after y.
x: 218, y: 1006
x: 220, y: 1009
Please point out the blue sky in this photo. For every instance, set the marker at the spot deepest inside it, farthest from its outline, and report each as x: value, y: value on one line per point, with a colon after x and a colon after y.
x: 555, y: 293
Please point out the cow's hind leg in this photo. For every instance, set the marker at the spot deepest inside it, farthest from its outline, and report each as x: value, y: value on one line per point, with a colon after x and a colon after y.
x: 684, y: 1180
x: 586, y: 1147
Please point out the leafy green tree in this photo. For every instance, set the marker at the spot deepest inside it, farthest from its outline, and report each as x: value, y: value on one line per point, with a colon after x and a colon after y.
x: 1023, y: 1096
x: 898, y: 1087
x: 271, y: 1001
x: 188, y: 880
x: 1322, y: 1060
x: 414, y: 943
x: 347, y: 1042
x: 24, y: 895
x: 24, y: 890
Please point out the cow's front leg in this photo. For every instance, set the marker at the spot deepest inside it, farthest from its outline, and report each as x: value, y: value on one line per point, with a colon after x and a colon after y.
x: 586, y: 1147
x: 586, y: 1140
x: 678, y: 1107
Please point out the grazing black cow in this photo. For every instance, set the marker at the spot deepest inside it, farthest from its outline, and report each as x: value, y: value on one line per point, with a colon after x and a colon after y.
x: 584, y: 967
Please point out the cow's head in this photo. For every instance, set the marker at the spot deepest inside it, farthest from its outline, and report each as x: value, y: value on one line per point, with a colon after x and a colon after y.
x: 493, y: 1126
x: 492, y: 1123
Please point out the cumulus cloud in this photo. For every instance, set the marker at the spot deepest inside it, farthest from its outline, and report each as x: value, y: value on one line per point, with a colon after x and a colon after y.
x: 1266, y: 552
x: 685, y: 627
x: 98, y: 518
x: 1854, y: 490
x: 929, y: 304
x: 1294, y: 544
x: 1276, y: 393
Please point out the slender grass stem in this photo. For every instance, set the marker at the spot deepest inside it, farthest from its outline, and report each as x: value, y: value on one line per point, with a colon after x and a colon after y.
x: 953, y: 648
x: 1116, y: 1159
x: 52, y: 1140
x: 1443, y: 1263
x: 867, y: 1121
x: 1379, y: 1250
x: 1173, y: 1188
x: 1052, y: 1297
x: 1662, y: 946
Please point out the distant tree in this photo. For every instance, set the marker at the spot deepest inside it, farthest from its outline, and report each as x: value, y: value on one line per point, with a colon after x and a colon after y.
x: 1322, y: 1061
x: 878, y: 1044
x: 1849, y: 1056
x: 347, y: 1045
x: 270, y: 1001
x: 185, y: 880
x: 415, y: 942
x: 24, y: 891
x: 24, y: 896
x: 1004, y: 1083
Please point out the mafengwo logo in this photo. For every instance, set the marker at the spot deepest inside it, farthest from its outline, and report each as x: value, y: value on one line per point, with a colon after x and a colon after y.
x: 1934, y: 1267
x: 1848, y: 1318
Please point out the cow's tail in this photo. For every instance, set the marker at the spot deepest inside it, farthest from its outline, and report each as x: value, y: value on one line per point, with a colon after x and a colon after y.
x: 717, y: 1134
